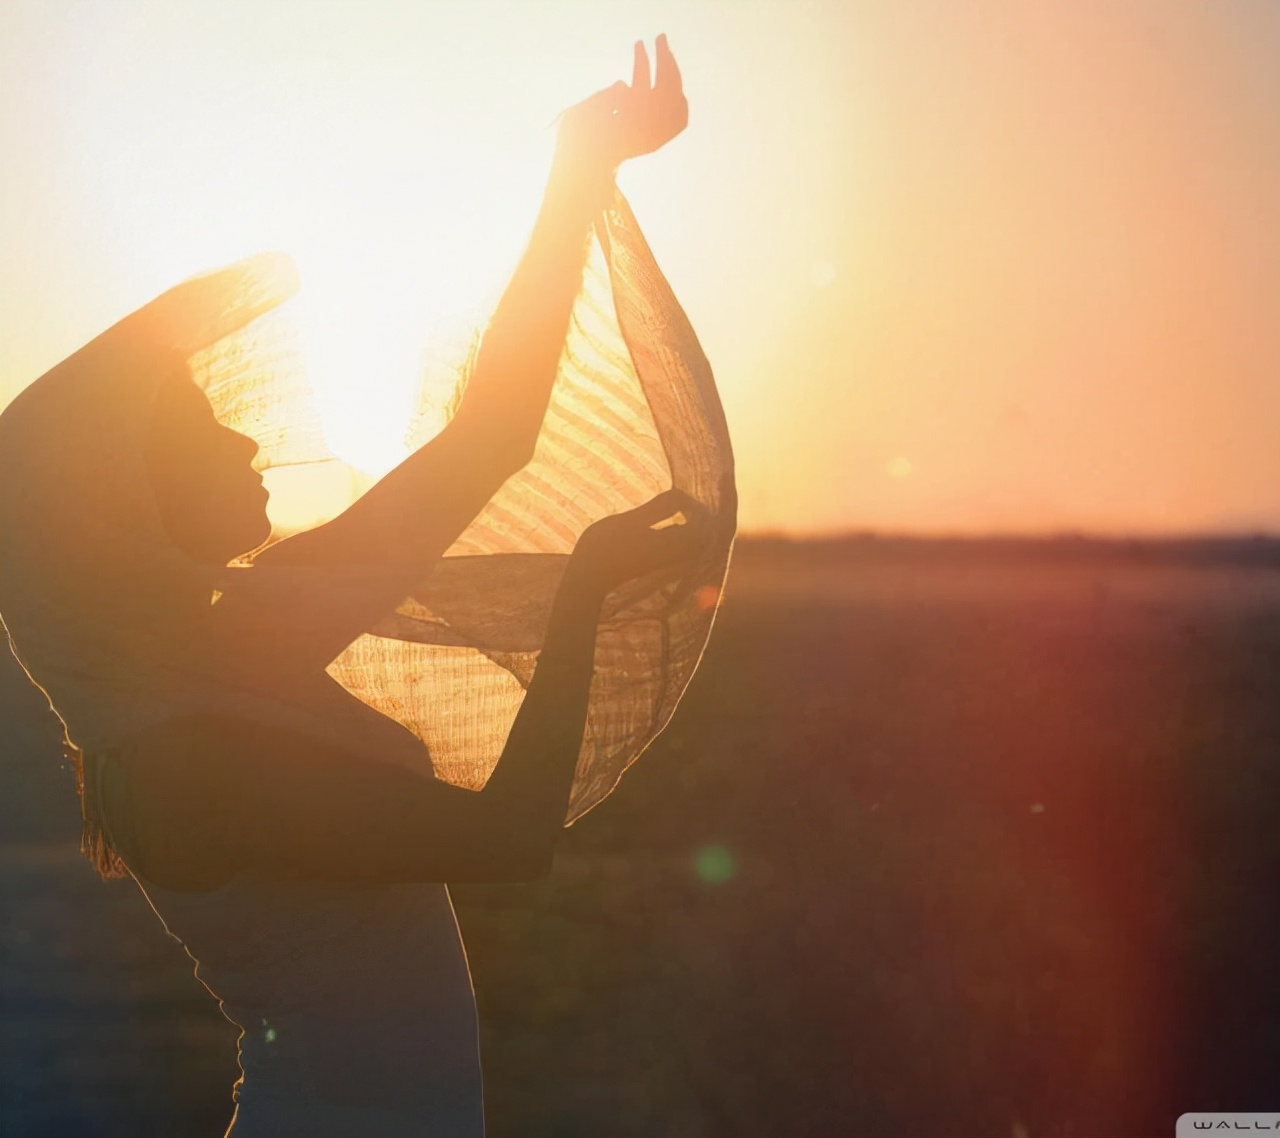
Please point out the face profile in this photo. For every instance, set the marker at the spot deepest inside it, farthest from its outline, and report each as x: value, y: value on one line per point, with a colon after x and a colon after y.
x: 211, y: 500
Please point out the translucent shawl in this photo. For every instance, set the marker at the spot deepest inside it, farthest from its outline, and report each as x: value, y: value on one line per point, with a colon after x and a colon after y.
x: 96, y: 598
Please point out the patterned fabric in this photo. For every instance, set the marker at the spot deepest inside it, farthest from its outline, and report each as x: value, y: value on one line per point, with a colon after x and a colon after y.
x: 634, y: 411
x: 99, y: 604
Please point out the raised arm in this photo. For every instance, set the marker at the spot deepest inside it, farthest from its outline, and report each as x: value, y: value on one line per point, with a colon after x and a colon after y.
x: 207, y: 799
x: 418, y: 510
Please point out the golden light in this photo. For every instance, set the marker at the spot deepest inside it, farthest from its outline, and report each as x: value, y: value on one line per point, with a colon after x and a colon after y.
x: 400, y: 243
x: 891, y: 226
x: 401, y: 173
x: 822, y: 273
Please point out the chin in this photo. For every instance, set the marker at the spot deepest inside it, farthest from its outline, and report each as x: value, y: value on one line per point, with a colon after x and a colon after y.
x: 256, y: 535
x: 219, y: 528
x: 241, y: 540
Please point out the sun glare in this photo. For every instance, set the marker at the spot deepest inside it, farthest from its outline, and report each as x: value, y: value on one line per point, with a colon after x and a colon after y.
x: 408, y: 270
x: 401, y: 174
x: 362, y: 363
x: 890, y: 206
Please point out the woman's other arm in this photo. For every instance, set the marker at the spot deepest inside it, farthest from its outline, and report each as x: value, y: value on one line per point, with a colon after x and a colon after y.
x: 212, y: 798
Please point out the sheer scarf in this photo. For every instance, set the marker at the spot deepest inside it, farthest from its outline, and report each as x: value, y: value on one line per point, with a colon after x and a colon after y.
x: 112, y: 621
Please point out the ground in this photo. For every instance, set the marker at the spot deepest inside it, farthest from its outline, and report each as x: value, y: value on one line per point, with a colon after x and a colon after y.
x: 945, y: 839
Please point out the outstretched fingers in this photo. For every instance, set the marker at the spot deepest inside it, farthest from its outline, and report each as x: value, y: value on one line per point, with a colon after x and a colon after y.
x: 663, y: 506
x: 640, y: 69
x: 667, y: 78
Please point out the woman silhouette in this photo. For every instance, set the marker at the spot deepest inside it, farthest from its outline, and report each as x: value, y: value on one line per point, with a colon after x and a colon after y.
x: 283, y: 829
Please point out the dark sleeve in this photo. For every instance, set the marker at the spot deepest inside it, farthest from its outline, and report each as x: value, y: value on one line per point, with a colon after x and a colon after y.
x: 203, y: 799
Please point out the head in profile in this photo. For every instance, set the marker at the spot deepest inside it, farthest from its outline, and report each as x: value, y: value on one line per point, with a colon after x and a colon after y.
x: 122, y: 498
x: 211, y: 500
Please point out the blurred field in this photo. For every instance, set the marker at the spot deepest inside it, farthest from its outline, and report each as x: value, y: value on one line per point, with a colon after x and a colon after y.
x: 946, y: 839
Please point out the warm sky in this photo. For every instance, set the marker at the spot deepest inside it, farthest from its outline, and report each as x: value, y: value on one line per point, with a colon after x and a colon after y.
x: 959, y: 266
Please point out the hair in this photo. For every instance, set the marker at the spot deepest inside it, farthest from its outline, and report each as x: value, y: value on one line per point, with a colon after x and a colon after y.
x: 95, y: 841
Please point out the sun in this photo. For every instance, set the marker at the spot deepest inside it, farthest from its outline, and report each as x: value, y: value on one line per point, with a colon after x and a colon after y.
x: 410, y: 281
x: 398, y: 153
x: 362, y: 364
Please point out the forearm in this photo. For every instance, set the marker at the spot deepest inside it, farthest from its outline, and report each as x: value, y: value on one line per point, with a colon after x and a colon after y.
x: 389, y: 825
x: 199, y: 800
x: 510, y: 384
x: 531, y: 783
x: 396, y: 828
x: 418, y: 509
x: 247, y: 797
x: 516, y: 366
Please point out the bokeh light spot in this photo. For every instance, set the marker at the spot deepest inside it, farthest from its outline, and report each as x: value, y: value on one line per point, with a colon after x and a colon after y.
x: 714, y: 865
x: 707, y: 597
x: 899, y: 467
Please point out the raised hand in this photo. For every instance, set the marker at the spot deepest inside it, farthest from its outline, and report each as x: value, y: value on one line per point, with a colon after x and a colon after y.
x: 625, y: 121
x: 635, y: 543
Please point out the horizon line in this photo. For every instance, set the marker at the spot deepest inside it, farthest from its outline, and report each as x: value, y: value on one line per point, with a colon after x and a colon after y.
x: 1167, y: 537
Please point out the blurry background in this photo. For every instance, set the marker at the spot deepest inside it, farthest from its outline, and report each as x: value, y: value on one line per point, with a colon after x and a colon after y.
x: 949, y: 836
x: 960, y: 266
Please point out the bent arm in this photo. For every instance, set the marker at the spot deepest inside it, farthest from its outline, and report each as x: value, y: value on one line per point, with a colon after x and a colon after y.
x: 210, y: 799
x: 408, y: 520
x: 419, y: 509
